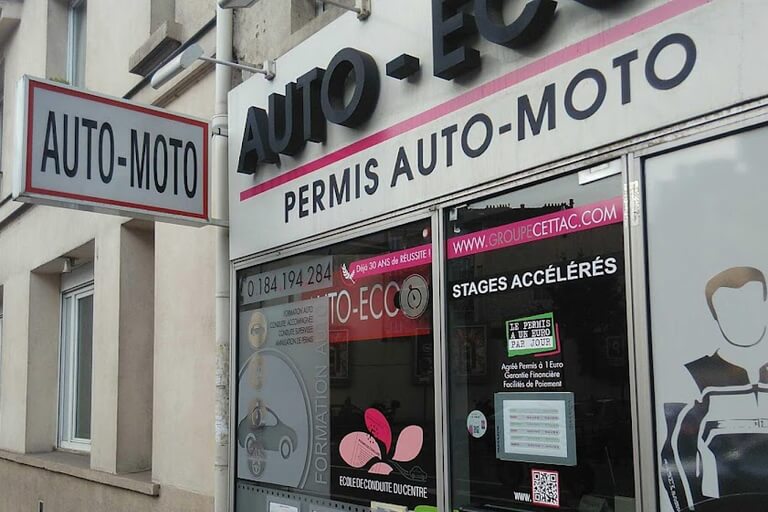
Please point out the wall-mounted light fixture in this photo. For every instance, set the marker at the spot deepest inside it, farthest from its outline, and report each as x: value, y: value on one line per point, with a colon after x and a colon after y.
x: 194, y: 53
x: 361, y: 7
x: 67, y: 264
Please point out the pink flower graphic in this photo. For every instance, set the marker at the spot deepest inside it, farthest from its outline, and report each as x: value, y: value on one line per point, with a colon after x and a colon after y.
x: 359, y: 448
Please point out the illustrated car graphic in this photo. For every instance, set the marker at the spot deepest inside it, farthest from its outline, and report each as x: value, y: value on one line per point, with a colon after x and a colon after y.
x: 416, y: 474
x: 263, y: 430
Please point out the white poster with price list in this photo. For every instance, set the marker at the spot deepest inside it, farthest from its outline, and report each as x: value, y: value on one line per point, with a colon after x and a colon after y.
x: 535, y: 427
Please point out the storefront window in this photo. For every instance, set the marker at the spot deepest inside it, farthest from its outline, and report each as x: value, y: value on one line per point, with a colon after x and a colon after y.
x: 539, y: 395
x: 707, y: 267
x: 335, y: 374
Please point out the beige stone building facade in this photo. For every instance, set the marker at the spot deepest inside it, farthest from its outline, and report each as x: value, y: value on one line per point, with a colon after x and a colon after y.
x: 107, y: 370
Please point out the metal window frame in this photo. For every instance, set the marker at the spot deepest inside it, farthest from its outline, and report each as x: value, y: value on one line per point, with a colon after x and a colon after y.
x: 326, y: 240
x: 68, y: 368
x: 436, y: 213
x: 530, y: 180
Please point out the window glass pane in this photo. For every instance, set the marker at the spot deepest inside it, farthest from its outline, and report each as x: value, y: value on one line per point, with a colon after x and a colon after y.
x: 84, y: 367
x: 707, y: 265
x: 335, y: 390
x: 67, y: 362
x: 77, y: 41
x: 539, y: 396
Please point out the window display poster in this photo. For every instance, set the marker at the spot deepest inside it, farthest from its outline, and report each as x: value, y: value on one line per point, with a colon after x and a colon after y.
x: 382, y: 305
x: 386, y: 304
x: 328, y: 402
x: 381, y: 460
x: 709, y: 317
x: 283, y: 402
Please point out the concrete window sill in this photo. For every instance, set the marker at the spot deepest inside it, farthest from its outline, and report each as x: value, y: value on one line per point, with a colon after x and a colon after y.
x: 162, y: 43
x: 78, y: 466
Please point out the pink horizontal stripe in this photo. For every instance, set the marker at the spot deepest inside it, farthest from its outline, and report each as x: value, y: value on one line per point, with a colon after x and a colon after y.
x: 563, y: 222
x: 569, y: 53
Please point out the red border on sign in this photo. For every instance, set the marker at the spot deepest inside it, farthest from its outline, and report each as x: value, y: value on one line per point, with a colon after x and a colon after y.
x: 565, y: 55
x: 34, y: 84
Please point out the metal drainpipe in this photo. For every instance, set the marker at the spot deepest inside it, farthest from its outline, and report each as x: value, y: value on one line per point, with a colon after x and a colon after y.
x: 220, y: 208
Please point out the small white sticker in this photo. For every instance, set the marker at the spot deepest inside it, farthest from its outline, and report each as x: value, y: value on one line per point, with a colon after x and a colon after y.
x: 635, y: 202
x: 282, y: 507
x: 477, y: 425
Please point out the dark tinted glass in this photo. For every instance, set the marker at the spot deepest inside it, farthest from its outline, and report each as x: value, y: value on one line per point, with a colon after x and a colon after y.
x: 84, y: 366
x: 335, y: 372
x: 537, y: 348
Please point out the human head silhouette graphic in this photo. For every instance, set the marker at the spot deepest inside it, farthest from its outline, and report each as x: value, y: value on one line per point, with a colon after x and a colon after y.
x: 736, y: 298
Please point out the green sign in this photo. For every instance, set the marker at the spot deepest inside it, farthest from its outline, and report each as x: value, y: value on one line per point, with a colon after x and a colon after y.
x: 531, y: 335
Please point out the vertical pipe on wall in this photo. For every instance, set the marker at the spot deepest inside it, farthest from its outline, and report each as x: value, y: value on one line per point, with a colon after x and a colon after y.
x: 220, y: 206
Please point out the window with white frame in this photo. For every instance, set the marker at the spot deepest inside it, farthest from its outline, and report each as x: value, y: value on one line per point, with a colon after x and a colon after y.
x: 76, y: 43
x: 76, y: 368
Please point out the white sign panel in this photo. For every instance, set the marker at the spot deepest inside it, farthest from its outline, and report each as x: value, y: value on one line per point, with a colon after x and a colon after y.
x: 599, y: 76
x: 281, y: 507
x: 97, y: 153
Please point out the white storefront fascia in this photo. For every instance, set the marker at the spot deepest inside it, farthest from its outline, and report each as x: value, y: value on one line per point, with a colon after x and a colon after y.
x: 715, y: 48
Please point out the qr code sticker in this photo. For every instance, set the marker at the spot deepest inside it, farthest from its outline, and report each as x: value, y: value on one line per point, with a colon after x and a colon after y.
x: 546, y: 488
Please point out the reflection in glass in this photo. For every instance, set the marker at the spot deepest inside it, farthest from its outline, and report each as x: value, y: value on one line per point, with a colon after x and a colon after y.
x: 83, y: 379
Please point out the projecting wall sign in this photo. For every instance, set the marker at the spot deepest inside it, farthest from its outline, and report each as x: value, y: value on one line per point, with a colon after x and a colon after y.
x: 92, y: 152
